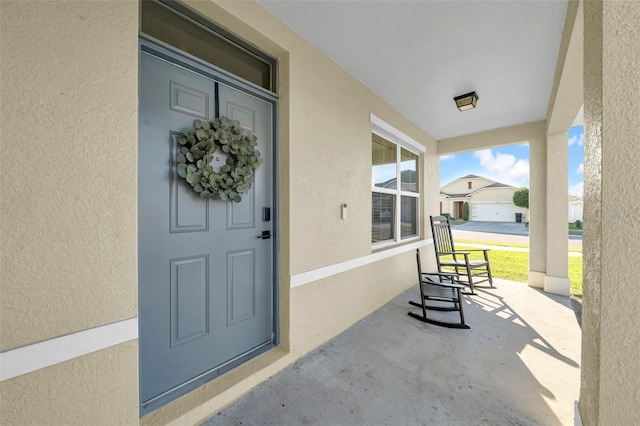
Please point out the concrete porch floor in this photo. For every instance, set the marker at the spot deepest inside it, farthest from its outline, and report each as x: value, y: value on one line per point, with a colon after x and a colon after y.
x: 518, y: 365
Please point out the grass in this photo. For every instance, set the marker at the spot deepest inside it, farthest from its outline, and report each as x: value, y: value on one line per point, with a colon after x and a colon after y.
x: 514, y: 265
x: 574, y: 230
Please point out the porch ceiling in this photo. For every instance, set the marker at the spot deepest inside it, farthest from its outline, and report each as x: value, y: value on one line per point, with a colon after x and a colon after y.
x: 418, y: 55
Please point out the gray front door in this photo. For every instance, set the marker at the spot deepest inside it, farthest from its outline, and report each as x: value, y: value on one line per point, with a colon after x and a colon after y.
x: 205, y: 278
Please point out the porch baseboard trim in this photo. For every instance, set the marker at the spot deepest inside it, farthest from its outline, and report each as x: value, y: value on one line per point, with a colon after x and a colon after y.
x: 536, y: 279
x: 557, y: 285
x: 30, y: 358
x: 338, y: 268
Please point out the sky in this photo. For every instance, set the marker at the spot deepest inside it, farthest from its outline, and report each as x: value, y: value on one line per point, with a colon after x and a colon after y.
x: 510, y: 164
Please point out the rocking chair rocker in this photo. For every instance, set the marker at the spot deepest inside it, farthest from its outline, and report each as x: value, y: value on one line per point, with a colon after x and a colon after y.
x: 442, y: 296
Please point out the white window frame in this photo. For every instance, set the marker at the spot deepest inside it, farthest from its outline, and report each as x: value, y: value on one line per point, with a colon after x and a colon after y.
x: 401, y: 140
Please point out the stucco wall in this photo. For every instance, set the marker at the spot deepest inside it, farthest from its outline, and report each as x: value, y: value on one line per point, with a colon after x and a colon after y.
x: 610, y: 390
x: 68, y: 203
x: 68, y: 178
x: 537, y: 211
x: 97, y: 389
x: 511, y: 135
x: 447, y: 205
x: 462, y: 186
x: 557, y: 208
x: 497, y: 194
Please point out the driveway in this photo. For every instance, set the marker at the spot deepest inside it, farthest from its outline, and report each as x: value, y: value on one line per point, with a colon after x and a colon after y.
x: 513, y: 228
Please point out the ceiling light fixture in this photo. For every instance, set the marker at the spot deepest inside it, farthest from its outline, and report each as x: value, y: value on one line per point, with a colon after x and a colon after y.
x: 466, y: 101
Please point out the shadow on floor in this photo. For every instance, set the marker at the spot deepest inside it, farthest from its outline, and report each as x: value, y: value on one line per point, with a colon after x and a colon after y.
x: 518, y: 365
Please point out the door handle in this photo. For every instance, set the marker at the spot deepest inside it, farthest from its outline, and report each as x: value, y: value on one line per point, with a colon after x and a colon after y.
x: 265, y: 235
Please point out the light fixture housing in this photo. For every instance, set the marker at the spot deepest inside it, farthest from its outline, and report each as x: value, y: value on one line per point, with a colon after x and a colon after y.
x: 466, y: 101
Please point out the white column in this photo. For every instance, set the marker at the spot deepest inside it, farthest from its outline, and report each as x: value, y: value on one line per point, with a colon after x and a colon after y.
x: 537, y: 212
x: 557, y: 272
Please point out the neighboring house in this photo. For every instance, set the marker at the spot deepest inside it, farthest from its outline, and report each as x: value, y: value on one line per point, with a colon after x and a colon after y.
x: 575, y: 210
x: 489, y: 201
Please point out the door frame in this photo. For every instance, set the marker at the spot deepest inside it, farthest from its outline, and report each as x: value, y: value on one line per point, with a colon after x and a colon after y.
x: 172, y: 55
x: 458, y: 208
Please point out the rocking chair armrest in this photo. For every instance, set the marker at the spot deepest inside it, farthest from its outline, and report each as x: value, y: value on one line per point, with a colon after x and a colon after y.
x: 429, y: 281
x: 441, y: 253
x: 444, y: 274
x: 477, y: 250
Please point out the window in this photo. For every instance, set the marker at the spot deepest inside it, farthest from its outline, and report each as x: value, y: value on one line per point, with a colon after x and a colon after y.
x: 395, y: 193
x: 469, y: 185
x: 180, y: 27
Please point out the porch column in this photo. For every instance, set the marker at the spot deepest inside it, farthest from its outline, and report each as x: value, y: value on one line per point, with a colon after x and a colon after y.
x: 537, y: 211
x: 610, y: 318
x: 557, y: 229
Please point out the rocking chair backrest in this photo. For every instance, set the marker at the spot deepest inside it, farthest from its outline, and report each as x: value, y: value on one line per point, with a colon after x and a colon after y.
x: 419, y: 266
x: 442, y: 236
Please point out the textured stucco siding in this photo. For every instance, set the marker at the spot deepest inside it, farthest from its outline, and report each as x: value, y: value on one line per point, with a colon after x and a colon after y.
x: 69, y: 161
x: 537, y: 210
x: 97, y: 389
x: 557, y: 208
x: 69, y: 204
x: 518, y: 134
x: 462, y: 186
x: 610, y: 388
x: 447, y: 205
x: 501, y: 194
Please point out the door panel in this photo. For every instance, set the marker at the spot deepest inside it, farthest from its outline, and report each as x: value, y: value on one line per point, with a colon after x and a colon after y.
x: 241, y: 291
x: 187, y: 213
x: 205, y: 278
x: 189, y: 299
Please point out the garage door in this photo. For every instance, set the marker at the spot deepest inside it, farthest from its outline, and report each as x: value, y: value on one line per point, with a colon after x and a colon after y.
x: 492, y: 212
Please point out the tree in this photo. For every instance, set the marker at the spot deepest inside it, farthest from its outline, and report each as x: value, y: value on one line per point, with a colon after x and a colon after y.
x: 521, y: 197
x: 465, y: 211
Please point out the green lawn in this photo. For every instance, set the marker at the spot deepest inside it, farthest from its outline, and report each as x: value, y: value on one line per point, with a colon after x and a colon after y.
x: 514, y: 265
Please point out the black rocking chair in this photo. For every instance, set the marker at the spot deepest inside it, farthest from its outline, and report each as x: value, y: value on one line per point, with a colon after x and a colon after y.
x: 438, y: 296
x: 470, y: 272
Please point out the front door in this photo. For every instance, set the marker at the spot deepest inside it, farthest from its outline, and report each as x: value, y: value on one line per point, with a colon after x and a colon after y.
x: 206, y: 299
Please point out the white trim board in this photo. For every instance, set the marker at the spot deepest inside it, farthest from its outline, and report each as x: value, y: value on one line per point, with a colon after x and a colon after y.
x: 19, y: 361
x: 338, y: 268
x: 27, y: 359
x: 387, y: 131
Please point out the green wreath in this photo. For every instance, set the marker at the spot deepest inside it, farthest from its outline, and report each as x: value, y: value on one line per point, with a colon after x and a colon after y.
x: 200, y: 142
